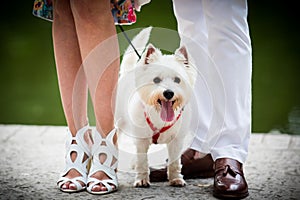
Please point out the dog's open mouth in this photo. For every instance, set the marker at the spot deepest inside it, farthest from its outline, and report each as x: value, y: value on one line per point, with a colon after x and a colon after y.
x: 167, y: 113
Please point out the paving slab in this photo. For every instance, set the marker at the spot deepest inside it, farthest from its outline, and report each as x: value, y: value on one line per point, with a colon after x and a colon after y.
x: 31, y: 158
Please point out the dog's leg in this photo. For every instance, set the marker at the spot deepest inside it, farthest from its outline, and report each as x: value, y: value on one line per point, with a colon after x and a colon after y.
x: 174, y: 166
x: 141, y: 167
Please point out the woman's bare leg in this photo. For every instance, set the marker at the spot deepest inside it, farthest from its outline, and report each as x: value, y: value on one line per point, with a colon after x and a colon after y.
x: 100, y: 53
x: 72, y: 81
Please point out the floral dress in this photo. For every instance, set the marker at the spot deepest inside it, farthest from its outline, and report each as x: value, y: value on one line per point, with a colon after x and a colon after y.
x: 123, y: 11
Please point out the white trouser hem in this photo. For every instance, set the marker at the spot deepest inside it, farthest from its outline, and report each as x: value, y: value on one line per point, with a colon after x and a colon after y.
x: 200, y: 145
x: 229, y: 152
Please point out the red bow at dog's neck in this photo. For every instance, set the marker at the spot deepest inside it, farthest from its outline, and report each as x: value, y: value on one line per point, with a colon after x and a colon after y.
x: 157, y: 131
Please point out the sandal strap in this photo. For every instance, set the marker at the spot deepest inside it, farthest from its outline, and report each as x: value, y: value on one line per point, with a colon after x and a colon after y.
x: 107, y: 183
x: 107, y: 147
x: 77, y: 164
x: 79, y: 138
x: 75, y: 181
x: 81, y: 148
x: 104, y: 146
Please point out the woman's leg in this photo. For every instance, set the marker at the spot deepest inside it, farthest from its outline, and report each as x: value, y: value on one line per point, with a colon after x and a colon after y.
x: 100, y: 53
x: 72, y: 81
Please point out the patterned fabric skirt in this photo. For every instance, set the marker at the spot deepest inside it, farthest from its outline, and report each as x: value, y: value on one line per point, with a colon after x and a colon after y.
x: 123, y: 11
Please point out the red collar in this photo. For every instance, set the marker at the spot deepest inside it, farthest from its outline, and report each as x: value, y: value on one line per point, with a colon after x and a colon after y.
x: 157, y: 131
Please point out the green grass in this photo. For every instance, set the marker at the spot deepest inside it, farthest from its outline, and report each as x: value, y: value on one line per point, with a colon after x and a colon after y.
x: 28, y: 82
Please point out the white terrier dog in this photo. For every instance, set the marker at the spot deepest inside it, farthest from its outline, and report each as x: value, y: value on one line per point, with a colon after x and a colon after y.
x: 152, y: 109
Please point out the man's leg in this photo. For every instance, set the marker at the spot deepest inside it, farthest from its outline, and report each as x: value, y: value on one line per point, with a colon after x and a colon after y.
x: 227, y: 72
x: 193, y: 34
x: 230, y: 48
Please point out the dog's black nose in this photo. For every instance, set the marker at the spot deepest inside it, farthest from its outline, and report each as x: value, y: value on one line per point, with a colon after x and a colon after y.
x: 168, y: 94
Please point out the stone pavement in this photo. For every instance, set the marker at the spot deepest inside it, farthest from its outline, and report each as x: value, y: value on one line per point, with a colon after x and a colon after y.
x: 31, y: 158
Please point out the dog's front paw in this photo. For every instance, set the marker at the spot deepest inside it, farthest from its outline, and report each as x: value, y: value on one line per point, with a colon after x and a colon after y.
x: 177, y: 182
x: 143, y: 183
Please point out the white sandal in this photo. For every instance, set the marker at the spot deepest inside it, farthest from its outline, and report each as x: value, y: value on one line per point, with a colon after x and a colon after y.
x: 104, y: 146
x: 81, y: 148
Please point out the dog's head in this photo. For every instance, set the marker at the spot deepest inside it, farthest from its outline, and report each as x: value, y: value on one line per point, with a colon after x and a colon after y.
x: 165, y: 82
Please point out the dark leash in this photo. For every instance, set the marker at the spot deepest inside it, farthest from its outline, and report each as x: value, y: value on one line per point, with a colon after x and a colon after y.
x: 129, y: 41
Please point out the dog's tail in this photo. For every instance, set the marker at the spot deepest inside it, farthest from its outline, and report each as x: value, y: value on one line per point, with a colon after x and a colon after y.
x: 130, y: 57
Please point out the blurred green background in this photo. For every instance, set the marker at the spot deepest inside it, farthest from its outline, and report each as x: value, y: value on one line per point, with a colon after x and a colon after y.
x: 28, y: 82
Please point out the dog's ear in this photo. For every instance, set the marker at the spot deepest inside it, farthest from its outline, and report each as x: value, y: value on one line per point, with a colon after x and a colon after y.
x: 151, y: 54
x: 182, y: 55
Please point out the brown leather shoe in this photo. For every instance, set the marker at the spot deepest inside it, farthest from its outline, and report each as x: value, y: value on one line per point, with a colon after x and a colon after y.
x: 191, y: 168
x: 229, y: 181
x: 196, y: 168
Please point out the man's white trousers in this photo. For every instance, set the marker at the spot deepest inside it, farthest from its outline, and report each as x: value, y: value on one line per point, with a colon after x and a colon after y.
x: 216, y: 35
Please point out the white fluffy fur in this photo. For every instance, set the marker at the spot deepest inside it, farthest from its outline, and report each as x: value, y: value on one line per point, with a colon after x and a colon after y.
x: 138, y: 93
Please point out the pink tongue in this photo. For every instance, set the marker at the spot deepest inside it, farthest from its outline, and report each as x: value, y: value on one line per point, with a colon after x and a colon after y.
x: 167, y: 113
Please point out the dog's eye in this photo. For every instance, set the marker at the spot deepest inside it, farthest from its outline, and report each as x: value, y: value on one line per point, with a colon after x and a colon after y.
x: 177, y: 79
x: 156, y: 80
